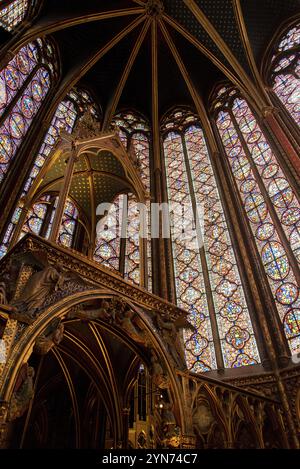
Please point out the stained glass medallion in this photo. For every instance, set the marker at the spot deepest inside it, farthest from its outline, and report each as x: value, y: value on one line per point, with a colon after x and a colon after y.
x: 17, y: 123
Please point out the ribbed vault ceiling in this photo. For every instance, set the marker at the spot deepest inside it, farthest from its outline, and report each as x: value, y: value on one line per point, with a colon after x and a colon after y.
x: 122, y: 49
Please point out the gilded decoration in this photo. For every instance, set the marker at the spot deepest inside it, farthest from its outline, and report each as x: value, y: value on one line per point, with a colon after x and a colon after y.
x: 89, y: 356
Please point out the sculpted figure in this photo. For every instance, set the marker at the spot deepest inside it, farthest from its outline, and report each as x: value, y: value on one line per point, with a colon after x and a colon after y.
x: 104, y: 312
x: 118, y: 306
x: 158, y: 376
x: 203, y: 418
x: 52, y: 336
x: 171, y: 432
x: 37, y: 288
x: 169, y: 333
x: 21, y: 398
x: 125, y: 321
x: 167, y: 415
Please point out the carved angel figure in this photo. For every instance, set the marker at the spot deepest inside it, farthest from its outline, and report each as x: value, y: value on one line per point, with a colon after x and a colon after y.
x: 105, y: 312
x: 159, y: 378
x: 38, y: 287
x: 52, y: 336
x: 126, y: 322
x: 169, y: 333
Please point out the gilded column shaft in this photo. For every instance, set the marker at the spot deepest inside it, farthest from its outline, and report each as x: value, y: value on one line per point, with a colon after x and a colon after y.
x: 62, y: 198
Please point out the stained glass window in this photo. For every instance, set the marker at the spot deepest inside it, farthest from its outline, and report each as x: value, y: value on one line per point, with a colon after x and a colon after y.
x: 13, y: 13
x: 190, y: 288
x: 141, y: 147
x: 27, y: 82
x: 107, y: 251
x: 285, y: 74
x: 132, y: 253
x: 69, y: 220
x: 16, y: 72
x: 36, y: 216
x: 63, y: 119
x: 15, y: 126
x: 135, y: 134
x: 208, y: 283
x: 40, y: 217
x: 128, y: 123
x: 270, y: 203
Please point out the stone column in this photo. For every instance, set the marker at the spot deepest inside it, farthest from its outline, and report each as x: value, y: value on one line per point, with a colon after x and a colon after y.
x: 270, y: 117
x: 63, y: 194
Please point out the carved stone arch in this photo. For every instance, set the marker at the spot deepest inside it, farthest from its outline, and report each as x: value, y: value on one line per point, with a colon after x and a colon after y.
x: 208, y: 415
x: 112, y: 143
x: 217, y: 438
x: 273, y: 428
x: 101, y: 381
x: 243, y: 423
x: 22, y: 350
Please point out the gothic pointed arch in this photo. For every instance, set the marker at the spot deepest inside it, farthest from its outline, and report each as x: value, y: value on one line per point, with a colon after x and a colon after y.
x: 283, y: 70
x: 135, y: 134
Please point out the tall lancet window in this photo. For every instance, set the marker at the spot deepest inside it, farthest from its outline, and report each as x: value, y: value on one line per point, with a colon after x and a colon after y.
x: 285, y: 72
x: 13, y: 12
x: 135, y: 134
x: 207, y: 279
x: 64, y: 119
x: 270, y: 203
x: 24, y: 83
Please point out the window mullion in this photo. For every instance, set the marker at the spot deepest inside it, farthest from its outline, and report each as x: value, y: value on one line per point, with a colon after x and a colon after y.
x: 47, y: 218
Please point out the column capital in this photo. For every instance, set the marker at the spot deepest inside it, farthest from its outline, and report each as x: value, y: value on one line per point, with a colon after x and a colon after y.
x: 269, y: 110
